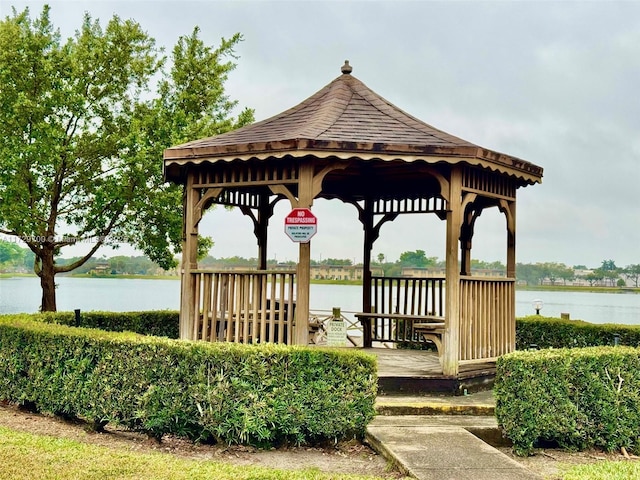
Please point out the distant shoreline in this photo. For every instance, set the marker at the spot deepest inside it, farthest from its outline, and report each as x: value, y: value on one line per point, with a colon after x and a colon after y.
x: 558, y: 288
x: 578, y: 288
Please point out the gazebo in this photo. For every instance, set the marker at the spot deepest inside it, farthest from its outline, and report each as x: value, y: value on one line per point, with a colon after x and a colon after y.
x: 346, y: 142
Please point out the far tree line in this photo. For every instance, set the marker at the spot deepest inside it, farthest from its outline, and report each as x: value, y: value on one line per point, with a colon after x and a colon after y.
x: 13, y: 258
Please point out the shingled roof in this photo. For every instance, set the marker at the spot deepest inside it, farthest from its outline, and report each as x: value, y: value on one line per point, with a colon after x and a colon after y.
x: 348, y: 117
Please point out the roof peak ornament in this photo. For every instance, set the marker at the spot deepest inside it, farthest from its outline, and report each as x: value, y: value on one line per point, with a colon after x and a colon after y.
x: 346, y: 68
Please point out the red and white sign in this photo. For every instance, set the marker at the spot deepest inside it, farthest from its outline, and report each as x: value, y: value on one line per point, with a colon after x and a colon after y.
x: 300, y: 225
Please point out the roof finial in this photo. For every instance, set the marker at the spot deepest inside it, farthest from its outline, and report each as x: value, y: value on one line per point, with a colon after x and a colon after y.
x: 346, y: 68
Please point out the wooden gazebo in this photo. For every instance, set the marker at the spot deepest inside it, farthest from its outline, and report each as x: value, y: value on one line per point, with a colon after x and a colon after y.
x: 346, y: 142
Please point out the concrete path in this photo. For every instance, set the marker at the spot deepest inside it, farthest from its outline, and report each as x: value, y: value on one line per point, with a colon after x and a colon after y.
x: 442, y: 446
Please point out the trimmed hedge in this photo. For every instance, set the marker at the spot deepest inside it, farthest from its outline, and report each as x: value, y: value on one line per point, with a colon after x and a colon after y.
x: 549, y: 332
x: 578, y: 398
x: 160, y: 323
x: 262, y: 395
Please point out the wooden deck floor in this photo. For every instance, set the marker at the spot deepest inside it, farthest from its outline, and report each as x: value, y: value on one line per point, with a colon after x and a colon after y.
x: 417, y: 371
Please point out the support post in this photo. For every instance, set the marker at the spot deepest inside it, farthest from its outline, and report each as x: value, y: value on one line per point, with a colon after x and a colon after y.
x: 189, y: 260
x: 264, y: 213
x: 305, y: 200
x: 511, y: 239
x: 366, y: 218
x: 509, y: 209
x: 452, y: 295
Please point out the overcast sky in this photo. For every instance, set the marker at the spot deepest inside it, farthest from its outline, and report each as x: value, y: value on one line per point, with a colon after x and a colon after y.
x: 554, y: 83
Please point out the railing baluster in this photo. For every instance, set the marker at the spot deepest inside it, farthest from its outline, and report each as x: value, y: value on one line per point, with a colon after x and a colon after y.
x: 206, y: 306
x: 281, y: 319
x: 290, y: 312
x: 232, y: 307
x: 261, y: 281
x: 246, y: 305
x: 217, y: 323
x: 272, y: 308
x: 198, y: 309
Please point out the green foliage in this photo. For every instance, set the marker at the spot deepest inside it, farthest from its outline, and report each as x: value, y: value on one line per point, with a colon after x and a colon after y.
x: 67, y: 108
x: 120, y: 264
x: 534, y: 274
x: 190, y: 104
x: 212, y: 262
x: 482, y: 265
x: 85, y: 123
x: 160, y: 323
x: 336, y: 261
x: 10, y: 252
x: 608, y: 265
x: 577, y: 398
x: 417, y: 259
x: 15, y: 258
x: 549, y: 332
x: 594, y: 277
x: 632, y: 272
x: 262, y: 395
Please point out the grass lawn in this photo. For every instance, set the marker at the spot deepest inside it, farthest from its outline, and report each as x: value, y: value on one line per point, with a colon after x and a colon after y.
x: 623, y: 470
x: 27, y: 456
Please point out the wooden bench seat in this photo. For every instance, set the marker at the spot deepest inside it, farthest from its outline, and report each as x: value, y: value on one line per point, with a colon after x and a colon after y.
x: 402, y: 328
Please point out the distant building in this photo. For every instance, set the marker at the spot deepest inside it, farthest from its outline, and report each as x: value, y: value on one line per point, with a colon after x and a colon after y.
x: 422, y: 272
x: 431, y: 272
x: 101, y: 268
x: 341, y: 272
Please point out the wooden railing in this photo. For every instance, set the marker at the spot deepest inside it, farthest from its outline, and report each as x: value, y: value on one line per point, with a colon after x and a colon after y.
x: 413, y: 296
x: 244, y: 307
x: 487, y: 313
x: 417, y: 297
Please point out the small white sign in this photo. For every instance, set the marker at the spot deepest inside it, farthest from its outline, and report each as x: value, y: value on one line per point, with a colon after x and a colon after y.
x: 336, y: 333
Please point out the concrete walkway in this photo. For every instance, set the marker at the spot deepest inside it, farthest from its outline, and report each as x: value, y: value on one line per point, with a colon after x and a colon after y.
x: 443, y: 441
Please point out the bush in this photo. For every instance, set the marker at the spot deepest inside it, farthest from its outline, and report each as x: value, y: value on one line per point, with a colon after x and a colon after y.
x: 577, y: 398
x: 548, y: 332
x: 262, y: 395
x: 160, y: 323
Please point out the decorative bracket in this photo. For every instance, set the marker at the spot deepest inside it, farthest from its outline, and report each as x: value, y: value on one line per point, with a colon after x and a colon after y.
x: 201, y: 206
x: 506, y: 207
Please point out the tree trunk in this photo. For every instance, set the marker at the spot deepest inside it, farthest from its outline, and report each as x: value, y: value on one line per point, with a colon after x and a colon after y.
x: 48, y: 282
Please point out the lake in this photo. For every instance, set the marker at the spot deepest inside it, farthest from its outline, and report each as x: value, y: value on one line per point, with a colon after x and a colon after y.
x: 22, y: 294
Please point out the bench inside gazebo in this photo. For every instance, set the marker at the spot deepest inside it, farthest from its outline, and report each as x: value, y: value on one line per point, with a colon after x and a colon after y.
x: 346, y: 142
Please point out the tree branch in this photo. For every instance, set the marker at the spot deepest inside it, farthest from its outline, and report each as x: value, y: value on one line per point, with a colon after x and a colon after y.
x: 94, y: 249
x: 81, y: 261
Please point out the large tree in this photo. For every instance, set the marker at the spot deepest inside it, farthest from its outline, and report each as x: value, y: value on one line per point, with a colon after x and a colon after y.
x: 84, y: 124
x: 417, y: 259
x: 632, y: 272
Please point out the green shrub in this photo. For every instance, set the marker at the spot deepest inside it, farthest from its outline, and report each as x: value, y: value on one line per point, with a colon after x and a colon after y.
x: 160, y: 323
x: 548, y: 332
x: 263, y: 395
x: 578, y: 398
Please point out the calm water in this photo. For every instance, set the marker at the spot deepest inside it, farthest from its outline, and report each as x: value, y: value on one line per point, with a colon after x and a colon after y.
x: 22, y: 294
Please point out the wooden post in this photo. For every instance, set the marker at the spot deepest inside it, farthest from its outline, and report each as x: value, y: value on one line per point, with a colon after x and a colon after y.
x: 189, y: 260
x: 511, y: 239
x: 305, y: 200
x: 452, y: 295
x: 510, y: 213
x: 367, y: 224
x: 261, y: 230
x: 466, y: 244
x: 467, y: 226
